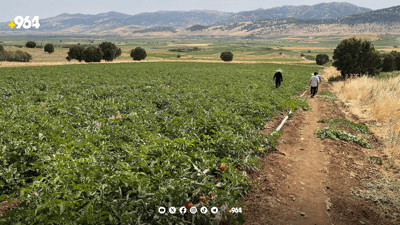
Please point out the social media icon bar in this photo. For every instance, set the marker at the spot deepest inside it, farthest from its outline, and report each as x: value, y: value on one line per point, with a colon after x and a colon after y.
x: 193, y: 210
x: 203, y: 210
x: 182, y: 210
x: 172, y: 210
x: 162, y: 210
x: 214, y: 210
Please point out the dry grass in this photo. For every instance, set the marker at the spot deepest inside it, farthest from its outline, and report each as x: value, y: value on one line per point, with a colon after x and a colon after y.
x: 373, y: 37
x: 199, y: 45
x: 389, y: 49
x: 306, y: 48
x: 374, y: 99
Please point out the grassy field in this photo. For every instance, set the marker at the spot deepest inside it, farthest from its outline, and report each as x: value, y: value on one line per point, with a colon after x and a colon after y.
x: 92, y: 143
x: 210, y: 49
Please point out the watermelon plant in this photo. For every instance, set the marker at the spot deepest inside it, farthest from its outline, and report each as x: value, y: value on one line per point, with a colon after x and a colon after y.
x: 111, y: 143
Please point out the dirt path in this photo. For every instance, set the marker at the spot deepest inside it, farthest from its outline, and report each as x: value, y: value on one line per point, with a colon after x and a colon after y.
x: 310, y: 180
x: 306, y: 181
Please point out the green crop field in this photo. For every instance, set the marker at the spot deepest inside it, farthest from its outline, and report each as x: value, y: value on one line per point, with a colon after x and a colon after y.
x: 110, y: 143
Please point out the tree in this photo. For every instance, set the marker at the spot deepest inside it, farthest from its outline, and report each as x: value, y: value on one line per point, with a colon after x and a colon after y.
x: 396, y: 59
x: 227, y: 56
x: 321, y: 59
x: 76, y: 52
x: 110, y: 51
x: 1, y: 48
x: 92, y: 54
x: 68, y: 58
x: 353, y: 56
x: 118, y: 53
x: 49, y: 48
x: 388, y: 64
x: 30, y: 44
x: 138, y: 53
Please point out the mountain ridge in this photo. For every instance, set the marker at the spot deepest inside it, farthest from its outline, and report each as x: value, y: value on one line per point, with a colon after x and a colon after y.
x: 202, y: 23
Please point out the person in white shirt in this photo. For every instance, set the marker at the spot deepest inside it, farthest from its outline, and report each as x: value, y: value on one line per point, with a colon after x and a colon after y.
x: 319, y: 78
x: 314, y: 82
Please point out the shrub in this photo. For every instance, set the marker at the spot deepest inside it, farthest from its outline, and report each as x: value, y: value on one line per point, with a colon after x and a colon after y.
x: 178, y: 56
x: 138, y: 54
x: 321, y: 59
x: 17, y: 56
x: 1, y: 48
x: 76, y: 52
x: 21, y: 56
x: 30, y: 44
x: 388, y: 64
x: 93, y: 54
x: 227, y: 56
x: 49, y: 48
x: 109, y: 50
x: 353, y: 56
x: 4, y: 55
x: 302, y: 55
x: 309, y: 51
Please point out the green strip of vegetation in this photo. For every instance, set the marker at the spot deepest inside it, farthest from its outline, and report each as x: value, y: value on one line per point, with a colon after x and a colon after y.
x: 341, y: 134
x: 327, y: 95
x: 334, y: 122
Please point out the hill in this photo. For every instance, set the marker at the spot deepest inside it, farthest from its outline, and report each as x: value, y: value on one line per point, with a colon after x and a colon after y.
x: 378, y: 21
x: 194, y: 23
x: 115, y: 21
x: 319, y: 11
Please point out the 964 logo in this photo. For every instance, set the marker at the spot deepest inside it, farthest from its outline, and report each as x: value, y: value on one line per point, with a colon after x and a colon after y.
x: 26, y: 23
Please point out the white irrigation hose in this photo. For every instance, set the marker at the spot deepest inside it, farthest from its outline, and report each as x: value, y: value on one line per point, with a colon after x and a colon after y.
x: 218, y: 217
x: 284, y: 120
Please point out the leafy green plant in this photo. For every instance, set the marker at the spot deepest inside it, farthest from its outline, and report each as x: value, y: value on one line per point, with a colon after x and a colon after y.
x: 83, y: 143
x: 327, y: 95
x: 340, y: 134
x: 358, y: 128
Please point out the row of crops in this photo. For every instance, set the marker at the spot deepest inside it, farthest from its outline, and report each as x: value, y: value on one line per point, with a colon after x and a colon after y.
x: 111, y: 143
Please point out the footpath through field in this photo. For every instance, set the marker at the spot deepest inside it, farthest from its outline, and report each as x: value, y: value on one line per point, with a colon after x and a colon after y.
x: 309, y: 180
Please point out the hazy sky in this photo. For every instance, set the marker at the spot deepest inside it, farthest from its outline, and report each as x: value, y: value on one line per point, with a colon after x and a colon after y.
x: 49, y: 8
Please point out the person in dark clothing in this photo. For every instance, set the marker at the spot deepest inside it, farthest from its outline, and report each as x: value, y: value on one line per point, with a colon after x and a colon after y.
x: 278, y: 78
